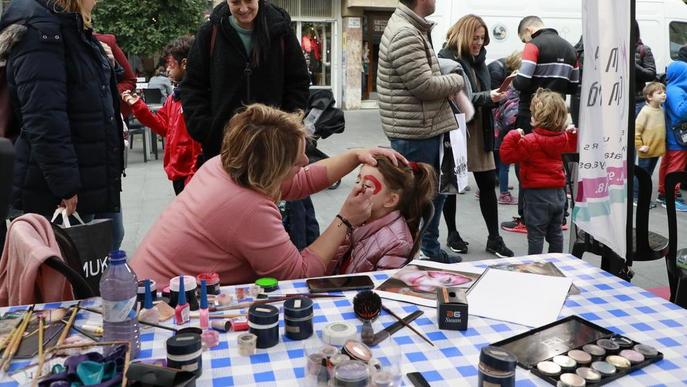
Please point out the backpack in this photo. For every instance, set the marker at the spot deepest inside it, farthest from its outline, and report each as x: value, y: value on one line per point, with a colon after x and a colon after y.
x: 9, y: 121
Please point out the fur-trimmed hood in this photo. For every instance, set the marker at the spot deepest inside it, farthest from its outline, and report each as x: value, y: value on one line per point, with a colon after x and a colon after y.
x: 8, y: 38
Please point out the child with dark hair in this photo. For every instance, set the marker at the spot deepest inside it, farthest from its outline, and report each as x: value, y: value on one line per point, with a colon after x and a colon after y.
x: 181, y: 151
x: 541, y: 169
x: 400, y: 193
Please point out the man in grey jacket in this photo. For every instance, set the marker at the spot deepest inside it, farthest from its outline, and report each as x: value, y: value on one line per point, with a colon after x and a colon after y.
x: 413, y: 99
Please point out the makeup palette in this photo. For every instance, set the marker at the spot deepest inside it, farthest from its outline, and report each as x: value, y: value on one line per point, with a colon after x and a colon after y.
x: 576, y: 352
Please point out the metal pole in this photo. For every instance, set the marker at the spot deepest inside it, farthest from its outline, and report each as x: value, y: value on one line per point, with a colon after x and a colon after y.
x: 631, y: 139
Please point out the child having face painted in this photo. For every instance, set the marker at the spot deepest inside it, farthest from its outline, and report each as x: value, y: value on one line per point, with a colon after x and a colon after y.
x: 399, y: 194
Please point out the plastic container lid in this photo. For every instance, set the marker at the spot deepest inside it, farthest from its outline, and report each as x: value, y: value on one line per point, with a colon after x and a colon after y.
x: 498, y: 358
x: 211, y: 278
x: 183, y: 344
x: 263, y: 314
x: 298, y: 307
x: 267, y: 283
x: 189, y: 283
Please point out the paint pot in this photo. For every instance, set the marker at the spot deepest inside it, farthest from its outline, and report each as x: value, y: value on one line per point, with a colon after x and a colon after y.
x: 298, y: 318
x: 622, y: 341
x: 571, y: 380
x: 211, y: 281
x: 549, y: 368
x: 594, y: 350
x: 185, y: 352
x: 247, y: 344
x: 263, y: 321
x: 190, y: 330
x: 338, y: 333
x: 566, y: 362
x: 210, y: 338
x: 608, y: 345
x: 190, y: 289
x: 357, y: 351
x: 496, y: 367
x: 268, y: 284
x: 581, y: 357
x: 141, y: 291
x: 351, y: 373
x: 618, y: 362
x: 648, y: 351
x: 588, y: 374
x: 633, y: 356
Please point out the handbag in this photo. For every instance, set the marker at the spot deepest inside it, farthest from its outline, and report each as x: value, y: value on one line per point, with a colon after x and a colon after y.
x: 84, y: 246
x: 680, y: 131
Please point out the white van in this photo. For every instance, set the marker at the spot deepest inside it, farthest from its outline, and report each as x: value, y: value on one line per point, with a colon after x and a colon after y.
x: 662, y: 23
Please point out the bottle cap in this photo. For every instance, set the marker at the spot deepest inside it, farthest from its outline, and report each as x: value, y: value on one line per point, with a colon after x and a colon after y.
x: 268, y: 283
x: 182, y: 292
x: 203, y: 295
x: 148, y: 301
x: 117, y: 257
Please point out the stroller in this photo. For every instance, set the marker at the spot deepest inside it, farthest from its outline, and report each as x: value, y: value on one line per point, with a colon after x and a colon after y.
x: 321, y: 120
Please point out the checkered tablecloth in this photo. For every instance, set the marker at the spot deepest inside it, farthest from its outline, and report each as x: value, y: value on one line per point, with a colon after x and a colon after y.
x: 605, y: 300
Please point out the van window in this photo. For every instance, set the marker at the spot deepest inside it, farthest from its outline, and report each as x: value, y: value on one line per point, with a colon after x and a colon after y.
x: 678, y: 37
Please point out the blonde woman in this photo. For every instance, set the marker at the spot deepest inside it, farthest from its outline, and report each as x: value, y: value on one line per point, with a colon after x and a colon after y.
x: 61, y: 84
x: 465, y: 44
x: 227, y: 221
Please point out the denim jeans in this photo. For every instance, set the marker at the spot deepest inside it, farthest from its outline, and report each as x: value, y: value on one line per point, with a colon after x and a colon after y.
x: 503, y: 170
x: 426, y: 151
x: 117, y: 227
x: 649, y: 165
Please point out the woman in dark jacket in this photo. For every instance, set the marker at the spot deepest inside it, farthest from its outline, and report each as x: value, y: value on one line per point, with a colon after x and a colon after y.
x: 465, y: 43
x: 246, y: 53
x: 645, y: 68
x: 61, y: 86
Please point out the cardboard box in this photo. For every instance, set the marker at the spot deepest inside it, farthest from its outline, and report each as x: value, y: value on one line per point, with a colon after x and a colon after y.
x: 452, y: 309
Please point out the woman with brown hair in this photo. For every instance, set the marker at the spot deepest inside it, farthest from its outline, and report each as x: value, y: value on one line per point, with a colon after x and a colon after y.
x: 63, y: 89
x: 400, y: 193
x: 465, y: 44
x: 227, y: 220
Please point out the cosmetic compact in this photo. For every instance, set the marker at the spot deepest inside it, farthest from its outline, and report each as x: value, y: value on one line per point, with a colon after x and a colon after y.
x: 190, y: 286
x: 496, y: 367
x: 263, y: 321
x: 575, y: 352
x: 357, y: 351
x: 298, y: 318
x: 351, y: 373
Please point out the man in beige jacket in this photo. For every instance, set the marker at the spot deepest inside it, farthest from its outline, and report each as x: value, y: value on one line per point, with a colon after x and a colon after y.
x: 413, y: 99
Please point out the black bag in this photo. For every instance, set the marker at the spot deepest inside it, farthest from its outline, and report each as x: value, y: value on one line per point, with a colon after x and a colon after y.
x: 85, y: 246
x: 321, y: 117
x: 680, y: 131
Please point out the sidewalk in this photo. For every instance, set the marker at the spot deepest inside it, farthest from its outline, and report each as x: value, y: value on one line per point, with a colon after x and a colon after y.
x: 147, y: 192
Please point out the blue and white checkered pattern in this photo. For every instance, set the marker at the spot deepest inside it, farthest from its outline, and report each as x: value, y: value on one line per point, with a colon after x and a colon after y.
x: 605, y: 300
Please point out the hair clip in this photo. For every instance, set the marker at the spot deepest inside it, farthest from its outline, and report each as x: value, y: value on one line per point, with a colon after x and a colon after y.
x: 413, y: 166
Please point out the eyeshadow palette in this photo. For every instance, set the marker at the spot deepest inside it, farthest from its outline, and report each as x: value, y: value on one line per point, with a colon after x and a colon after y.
x: 575, y: 352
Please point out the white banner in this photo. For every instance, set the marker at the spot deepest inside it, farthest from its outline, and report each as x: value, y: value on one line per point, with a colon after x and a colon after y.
x: 601, y: 200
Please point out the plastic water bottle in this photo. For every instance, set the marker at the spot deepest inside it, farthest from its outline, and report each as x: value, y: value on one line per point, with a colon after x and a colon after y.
x: 118, y: 287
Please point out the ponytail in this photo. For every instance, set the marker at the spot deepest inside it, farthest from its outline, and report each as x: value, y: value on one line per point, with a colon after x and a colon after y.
x: 417, y: 196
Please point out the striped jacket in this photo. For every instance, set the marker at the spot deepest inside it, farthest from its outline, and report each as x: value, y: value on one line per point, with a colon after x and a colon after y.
x: 548, y: 61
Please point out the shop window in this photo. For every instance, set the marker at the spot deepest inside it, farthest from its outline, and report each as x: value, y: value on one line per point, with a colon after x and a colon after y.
x: 307, y: 8
x: 316, y: 42
x: 678, y: 37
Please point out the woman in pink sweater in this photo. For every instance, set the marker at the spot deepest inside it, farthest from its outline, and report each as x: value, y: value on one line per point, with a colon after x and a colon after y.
x: 226, y: 220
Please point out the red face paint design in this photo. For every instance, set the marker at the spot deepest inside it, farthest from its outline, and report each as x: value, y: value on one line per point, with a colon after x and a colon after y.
x: 375, y: 182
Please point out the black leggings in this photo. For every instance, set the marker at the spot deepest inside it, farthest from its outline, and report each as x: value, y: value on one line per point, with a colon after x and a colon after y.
x: 486, y: 183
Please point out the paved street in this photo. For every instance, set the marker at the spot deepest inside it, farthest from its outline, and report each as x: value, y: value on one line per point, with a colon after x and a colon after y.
x: 147, y: 192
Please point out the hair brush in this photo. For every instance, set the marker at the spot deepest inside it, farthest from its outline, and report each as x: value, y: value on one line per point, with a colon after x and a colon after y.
x: 367, y: 306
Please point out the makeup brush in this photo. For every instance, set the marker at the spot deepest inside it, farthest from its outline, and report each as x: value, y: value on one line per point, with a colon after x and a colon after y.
x: 367, y: 306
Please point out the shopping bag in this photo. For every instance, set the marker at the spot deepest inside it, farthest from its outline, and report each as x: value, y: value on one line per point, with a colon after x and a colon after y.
x: 90, y: 243
x: 453, y: 177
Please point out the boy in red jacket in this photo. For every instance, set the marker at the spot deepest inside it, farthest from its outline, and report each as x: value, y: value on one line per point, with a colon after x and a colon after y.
x: 541, y: 169
x: 181, y: 151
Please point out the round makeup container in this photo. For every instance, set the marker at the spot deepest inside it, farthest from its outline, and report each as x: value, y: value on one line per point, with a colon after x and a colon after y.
x: 622, y: 341
x: 211, y: 281
x: 648, y: 351
x: 351, y: 373
x: 496, y: 367
x: 618, y: 362
x: 571, y: 380
x: 190, y: 289
x: 581, y: 357
x: 566, y: 362
x: 594, y: 350
x: 329, y: 351
x: 338, y: 359
x: 190, y: 330
x: 633, y: 356
x: 357, y: 351
x: 604, y: 368
x: 608, y: 345
x: 588, y: 374
x: 338, y: 333
x: 268, y: 284
x: 386, y: 378
x: 298, y: 318
x: 185, y: 352
x: 549, y: 368
x: 263, y: 321
x: 247, y: 344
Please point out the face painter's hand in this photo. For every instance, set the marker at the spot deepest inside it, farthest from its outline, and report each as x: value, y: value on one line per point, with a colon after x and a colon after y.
x: 358, y: 205
x: 367, y: 156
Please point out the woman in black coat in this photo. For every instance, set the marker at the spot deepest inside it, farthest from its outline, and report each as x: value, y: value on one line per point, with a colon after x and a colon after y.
x: 465, y: 44
x: 247, y: 52
x: 61, y: 84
